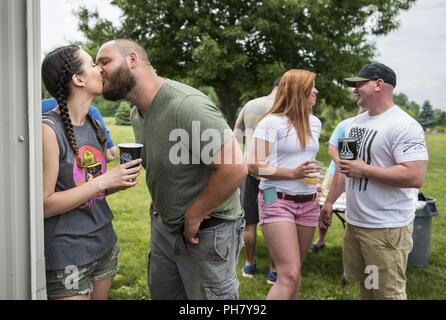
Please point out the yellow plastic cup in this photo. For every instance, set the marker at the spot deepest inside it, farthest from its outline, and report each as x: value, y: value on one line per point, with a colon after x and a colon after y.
x: 313, y: 178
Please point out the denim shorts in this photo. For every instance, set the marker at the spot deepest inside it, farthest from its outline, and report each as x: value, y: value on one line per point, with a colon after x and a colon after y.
x: 75, y: 281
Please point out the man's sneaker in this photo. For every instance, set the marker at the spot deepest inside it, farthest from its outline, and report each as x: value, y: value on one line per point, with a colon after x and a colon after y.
x: 271, y: 277
x: 248, y: 271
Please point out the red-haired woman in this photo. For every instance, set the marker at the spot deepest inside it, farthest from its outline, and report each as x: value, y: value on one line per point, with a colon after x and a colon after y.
x: 284, y: 152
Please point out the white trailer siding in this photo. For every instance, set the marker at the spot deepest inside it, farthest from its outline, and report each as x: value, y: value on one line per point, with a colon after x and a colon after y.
x: 21, y: 214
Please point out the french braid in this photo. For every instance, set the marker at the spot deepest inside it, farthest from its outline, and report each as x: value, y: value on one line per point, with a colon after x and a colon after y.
x: 101, y: 138
x: 58, y: 67
x: 62, y: 100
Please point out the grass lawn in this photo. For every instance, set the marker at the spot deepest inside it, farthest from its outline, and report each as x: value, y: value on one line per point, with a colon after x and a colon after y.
x: 321, y: 272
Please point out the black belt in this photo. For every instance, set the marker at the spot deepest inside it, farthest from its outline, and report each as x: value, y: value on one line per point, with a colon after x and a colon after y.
x: 298, y: 198
x: 211, y: 222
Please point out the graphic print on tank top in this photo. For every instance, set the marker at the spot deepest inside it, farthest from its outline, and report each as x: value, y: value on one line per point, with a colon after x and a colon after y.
x: 94, y: 165
x: 365, y: 140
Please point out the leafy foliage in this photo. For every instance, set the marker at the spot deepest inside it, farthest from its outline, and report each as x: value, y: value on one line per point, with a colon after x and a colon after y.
x: 106, y: 107
x: 410, y: 107
x: 239, y: 47
x: 123, y: 114
x: 330, y: 117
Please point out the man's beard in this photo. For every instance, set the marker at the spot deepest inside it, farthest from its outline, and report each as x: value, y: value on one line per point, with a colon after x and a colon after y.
x: 119, y: 84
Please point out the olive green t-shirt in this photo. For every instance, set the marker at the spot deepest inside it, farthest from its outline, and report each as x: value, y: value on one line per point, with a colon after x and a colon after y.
x: 181, y: 131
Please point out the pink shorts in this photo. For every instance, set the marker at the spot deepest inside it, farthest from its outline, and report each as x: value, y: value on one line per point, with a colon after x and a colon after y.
x: 304, y: 213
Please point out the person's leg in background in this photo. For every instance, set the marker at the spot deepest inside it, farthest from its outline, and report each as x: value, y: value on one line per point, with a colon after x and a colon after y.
x: 322, y: 233
x: 271, y: 276
x: 250, y: 239
x: 249, y: 192
x: 320, y: 242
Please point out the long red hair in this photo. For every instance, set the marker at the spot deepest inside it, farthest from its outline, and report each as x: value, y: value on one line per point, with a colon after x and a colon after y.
x: 291, y: 100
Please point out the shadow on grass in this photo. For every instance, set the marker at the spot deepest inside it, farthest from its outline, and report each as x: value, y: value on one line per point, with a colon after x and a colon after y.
x: 427, y: 282
x: 321, y: 276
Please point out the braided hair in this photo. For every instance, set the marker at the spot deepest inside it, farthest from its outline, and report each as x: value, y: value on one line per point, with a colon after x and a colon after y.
x: 58, y: 67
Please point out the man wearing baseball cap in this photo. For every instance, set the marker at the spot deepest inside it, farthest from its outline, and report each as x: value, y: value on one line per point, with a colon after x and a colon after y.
x: 373, y: 71
x: 380, y: 184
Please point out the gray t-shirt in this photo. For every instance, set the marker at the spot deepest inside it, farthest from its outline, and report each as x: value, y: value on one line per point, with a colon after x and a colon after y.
x: 173, y: 134
x: 384, y: 140
x: 250, y: 115
x: 85, y: 234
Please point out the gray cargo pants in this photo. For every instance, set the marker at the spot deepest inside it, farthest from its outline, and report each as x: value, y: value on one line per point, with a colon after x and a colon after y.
x: 179, y: 270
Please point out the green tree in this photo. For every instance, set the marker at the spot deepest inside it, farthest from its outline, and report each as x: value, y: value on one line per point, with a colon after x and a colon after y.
x: 239, y: 47
x: 45, y: 93
x: 210, y: 92
x: 123, y: 114
x: 330, y: 117
x: 426, y: 117
x: 106, y: 107
x: 440, y: 117
x: 410, y: 107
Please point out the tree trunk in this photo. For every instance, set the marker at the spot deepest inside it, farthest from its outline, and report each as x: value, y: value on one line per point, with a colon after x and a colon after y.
x: 230, y: 103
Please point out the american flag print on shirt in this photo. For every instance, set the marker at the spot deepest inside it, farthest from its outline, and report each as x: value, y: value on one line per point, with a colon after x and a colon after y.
x: 365, y: 140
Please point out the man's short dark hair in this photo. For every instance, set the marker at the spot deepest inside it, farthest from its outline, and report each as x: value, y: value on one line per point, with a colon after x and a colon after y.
x: 128, y: 45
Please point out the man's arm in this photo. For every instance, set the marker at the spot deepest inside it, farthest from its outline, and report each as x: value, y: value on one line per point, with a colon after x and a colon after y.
x: 333, y: 152
x: 410, y: 168
x: 111, y: 153
x: 239, y: 127
x: 224, y: 179
x: 336, y: 189
x: 403, y: 175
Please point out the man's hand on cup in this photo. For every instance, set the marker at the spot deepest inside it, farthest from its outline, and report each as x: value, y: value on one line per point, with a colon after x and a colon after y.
x: 353, y: 168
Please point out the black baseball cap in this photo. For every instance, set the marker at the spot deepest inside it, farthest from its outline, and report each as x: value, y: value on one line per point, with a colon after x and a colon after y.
x: 373, y: 71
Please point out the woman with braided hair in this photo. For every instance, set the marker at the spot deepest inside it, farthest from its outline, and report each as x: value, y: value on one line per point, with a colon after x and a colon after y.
x: 80, y: 243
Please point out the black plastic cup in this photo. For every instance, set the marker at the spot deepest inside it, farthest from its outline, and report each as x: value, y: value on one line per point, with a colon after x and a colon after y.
x: 129, y: 152
x: 348, y: 148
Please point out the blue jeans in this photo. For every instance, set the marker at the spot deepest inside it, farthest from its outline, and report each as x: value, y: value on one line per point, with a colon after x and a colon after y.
x: 180, y: 270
